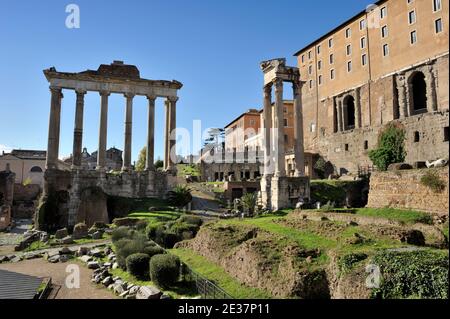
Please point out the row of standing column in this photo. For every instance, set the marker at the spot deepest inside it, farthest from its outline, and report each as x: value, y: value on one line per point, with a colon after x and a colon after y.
x: 274, y: 153
x: 54, y: 131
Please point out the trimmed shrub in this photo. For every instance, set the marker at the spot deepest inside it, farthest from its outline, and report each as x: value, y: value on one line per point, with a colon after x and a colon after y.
x: 151, y: 229
x: 164, y: 270
x: 119, y: 233
x: 190, y: 219
x: 128, y: 246
x: 141, y: 225
x: 153, y: 250
x: 138, y: 265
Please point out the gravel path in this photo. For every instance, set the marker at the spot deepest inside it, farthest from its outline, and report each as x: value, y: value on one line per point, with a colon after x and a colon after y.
x: 57, y: 271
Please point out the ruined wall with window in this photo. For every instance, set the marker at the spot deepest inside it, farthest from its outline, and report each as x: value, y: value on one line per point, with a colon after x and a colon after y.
x: 387, y: 64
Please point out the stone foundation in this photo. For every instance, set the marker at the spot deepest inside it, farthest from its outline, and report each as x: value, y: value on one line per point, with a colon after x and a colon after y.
x: 80, y: 195
x: 403, y: 189
x: 287, y: 191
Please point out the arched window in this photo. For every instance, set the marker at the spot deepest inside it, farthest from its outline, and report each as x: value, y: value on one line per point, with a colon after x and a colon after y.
x: 36, y: 169
x: 419, y: 91
x: 349, y: 111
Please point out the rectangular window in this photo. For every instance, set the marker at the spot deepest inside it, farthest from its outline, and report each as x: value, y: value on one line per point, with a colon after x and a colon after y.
x: 412, y: 17
x: 348, y: 33
x: 383, y: 12
x: 332, y: 74
x: 285, y: 122
x: 330, y: 42
x: 310, y: 69
x: 286, y: 139
x: 320, y: 80
x: 349, y: 49
x: 384, y: 31
x: 346, y: 147
x: 437, y: 5
x: 362, y: 24
x: 385, y: 50
x: 364, y: 59
x: 310, y: 84
x: 331, y: 58
x: 319, y: 65
x: 318, y: 49
x: 409, y: 1
x: 349, y: 66
x: 303, y: 58
x: 413, y: 37
x: 438, y: 25
x: 363, y: 42
x: 446, y: 134
x: 309, y: 55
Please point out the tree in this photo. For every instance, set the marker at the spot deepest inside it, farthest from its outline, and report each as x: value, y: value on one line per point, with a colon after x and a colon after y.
x: 180, y: 196
x: 248, y: 201
x: 215, y: 138
x: 159, y: 163
x: 140, y: 165
x: 390, y: 148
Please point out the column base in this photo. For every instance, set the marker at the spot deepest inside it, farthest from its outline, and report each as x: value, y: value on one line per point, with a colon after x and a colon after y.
x: 266, y: 191
x: 279, y: 192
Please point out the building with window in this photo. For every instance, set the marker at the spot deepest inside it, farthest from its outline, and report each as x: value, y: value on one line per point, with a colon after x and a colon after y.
x: 28, y: 165
x: 387, y: 63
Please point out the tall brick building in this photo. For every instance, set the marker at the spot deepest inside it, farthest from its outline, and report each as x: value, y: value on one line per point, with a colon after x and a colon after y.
x: 387, y: 63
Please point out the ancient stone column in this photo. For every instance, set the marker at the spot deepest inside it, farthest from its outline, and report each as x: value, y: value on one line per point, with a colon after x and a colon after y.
x: 431, y: 90
x: 166, y: 135
x: 267, y: 115
x: 54, y: 128
x: 172, y: 131
x: 128, y: 132
x: 299, y: 151
x: 149, y: 160
x: 343, y: 113
x: 78, y: 130
x: 279, y: 130
x: 339, y: 115
x: 101, y: 154
x: 357, y: 108
x: 401, y: 88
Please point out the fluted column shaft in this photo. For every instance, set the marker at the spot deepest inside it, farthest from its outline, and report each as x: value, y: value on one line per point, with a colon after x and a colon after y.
x: 149, y: 159
x: 268, y: 168
x: 54, y: 128
x: 299, y: 151
x: 166, y: 135
x: 172, y: 132
x: 128, y: 132
x: 78, y: 130
x: 101, y: 154
x: 279, y: 130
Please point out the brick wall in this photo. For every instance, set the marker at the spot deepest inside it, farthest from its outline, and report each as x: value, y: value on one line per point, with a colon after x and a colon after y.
x: 403, y: 189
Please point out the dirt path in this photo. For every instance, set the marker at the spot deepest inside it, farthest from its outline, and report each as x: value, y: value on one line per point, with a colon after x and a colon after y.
x: 42, y: 268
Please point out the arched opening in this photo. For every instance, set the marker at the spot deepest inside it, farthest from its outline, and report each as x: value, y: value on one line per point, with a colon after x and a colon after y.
x: 419, y: 91
x: 36, y: 169
x: 396, y: 105
x: 349, y: 107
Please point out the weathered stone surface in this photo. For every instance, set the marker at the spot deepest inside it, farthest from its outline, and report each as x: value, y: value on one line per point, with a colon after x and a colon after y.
x: 399, y: 166
x: 93, y: 265
x: 54, y: 259
x: 97, y: 235
x: 107, y: 281
x: 83, y: 251
x: 85, y: 258
x: 404, y: 190
x: 65, y: 251
x: 148, y: 292
x: 64, y: 258
x: 96, y: 252
x: 61, y: 233
x: 80, y: 231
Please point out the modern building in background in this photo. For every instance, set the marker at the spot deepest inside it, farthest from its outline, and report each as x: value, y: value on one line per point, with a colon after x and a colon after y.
x: 389, y: 63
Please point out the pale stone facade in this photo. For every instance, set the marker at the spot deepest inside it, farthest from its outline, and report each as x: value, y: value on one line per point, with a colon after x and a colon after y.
x: 388, y: 64
x: 28, y: 165
x: 77, y: 189
x: 7, y: 178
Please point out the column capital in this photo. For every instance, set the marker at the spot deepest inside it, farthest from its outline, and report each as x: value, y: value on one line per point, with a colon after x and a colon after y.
x: 129, y: 95
x: 151, y: 97
x: 278, y: 84
x: 267, y: 89
x: 104, y: 93
x: 172, y: 98
x: 56, y: 90
x: 80, y: 92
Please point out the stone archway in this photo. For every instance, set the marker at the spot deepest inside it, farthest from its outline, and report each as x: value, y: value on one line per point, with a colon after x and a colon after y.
x: 418, y: 92
x: 349, y: 112
x: 93, y: 206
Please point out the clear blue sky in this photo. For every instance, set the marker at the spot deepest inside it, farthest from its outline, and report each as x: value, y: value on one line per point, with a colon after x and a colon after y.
x: 212, y: 47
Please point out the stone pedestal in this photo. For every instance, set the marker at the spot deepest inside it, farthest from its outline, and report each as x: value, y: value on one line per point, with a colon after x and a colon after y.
x: 280, y: 194
x: 266, y: 182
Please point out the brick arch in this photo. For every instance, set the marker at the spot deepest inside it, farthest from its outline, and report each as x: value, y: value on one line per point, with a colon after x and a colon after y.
x: 418, y: 92
x: 349, y: 103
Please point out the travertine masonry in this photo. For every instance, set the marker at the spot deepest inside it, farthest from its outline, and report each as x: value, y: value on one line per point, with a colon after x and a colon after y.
x: 403, y: 189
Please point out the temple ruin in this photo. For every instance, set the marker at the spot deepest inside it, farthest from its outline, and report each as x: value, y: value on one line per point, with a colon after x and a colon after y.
x: 278, y: 190
x: 79, y: 195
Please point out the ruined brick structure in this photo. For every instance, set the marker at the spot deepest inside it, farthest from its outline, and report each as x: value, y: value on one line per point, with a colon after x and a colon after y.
x: 389, y: 63
x: 7, y: 179
x: 79, y: 194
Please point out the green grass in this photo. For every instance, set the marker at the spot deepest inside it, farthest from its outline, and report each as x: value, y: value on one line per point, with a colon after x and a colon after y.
x: 404, y: 216
x: 218, y: 275
x: 305, y: 239
x: 187, y: 169
x: 37, y: 245
x: 181, y: 290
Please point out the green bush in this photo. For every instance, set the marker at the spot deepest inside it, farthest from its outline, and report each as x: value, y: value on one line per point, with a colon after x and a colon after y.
x: 180, y: 196
x: 190, y: 219
x: 179, y: 228
x: 347, y: 262
x: 151, y: 229
x: 141, y: 225
x: 120, y: 232
x: 125, y: 247
x: 138, y: 265
x: 249, y: 202
x: 412, y: 274
x: 153, y: 250
x: 390, y: 149
x: 432, y: 180
x: 164, y: 270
